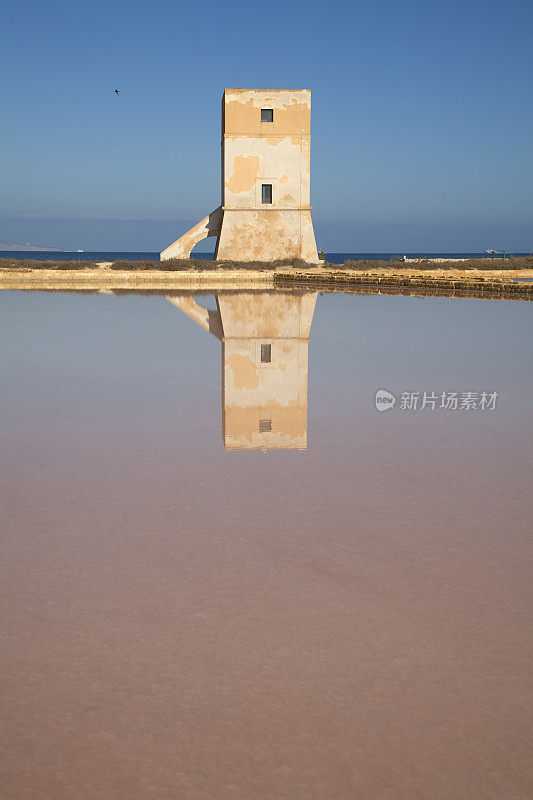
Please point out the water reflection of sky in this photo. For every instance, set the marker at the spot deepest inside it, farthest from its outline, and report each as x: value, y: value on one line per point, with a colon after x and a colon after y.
x: 351, y: 617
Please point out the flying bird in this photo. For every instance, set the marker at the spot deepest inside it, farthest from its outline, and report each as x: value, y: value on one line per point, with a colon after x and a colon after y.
x: 116, y: 91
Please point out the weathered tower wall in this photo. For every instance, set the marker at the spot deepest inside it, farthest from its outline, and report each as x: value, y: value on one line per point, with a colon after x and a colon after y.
x: 276, y: 154
x: 265, y: 213
x: 264, y: 399
x: 265, y: 403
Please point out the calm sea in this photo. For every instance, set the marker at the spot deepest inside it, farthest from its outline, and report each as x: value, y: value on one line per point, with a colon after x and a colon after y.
x: 333, y: 258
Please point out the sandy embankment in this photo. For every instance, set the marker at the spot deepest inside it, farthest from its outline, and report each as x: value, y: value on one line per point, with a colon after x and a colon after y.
x: 103, y: 278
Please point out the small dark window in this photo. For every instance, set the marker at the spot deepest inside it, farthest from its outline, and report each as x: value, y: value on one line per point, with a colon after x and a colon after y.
x: 267, y: 115
x: 265, y: 425
x: 266, y: 353
x: 266, y: 193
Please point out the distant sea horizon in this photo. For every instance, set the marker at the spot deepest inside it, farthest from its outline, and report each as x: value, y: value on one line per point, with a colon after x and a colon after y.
x: 332, y: 257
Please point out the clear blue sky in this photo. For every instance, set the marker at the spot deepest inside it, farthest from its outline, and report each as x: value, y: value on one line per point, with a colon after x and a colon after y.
x: 422, y: 118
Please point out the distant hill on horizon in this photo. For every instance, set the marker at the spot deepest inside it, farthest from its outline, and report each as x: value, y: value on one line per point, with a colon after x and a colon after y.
x: 29, y: 247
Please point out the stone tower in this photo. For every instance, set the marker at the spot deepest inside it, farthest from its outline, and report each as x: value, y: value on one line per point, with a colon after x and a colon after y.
x: 265, y: 342
x: 265, y: 213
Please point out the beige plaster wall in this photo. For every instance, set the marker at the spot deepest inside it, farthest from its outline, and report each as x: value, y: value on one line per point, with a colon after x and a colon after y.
x: 277, y: 390
x: 276, y: 153
x: 255, y: 153
x: 250, y: 162
x: 281, y: 315
x: 252, y: 390
x: 258, y: 235
x: 292, y: 112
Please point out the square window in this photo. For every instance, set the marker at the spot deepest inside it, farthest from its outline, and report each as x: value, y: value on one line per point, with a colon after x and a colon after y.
x: 265, y: 425
x: 266, y: 353
x: 267, y: 115
x: 266, y: 193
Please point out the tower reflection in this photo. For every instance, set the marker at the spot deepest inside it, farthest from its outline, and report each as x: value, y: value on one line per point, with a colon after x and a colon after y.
x: 265, y: 340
